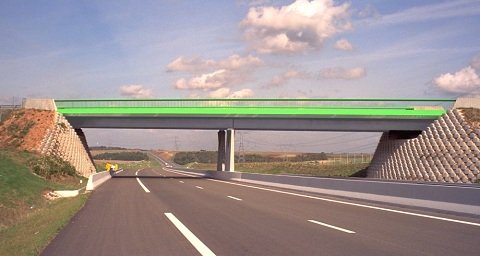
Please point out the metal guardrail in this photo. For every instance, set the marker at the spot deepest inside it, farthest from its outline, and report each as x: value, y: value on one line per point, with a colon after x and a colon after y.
x: 10, y: 106
x: 258, y: 103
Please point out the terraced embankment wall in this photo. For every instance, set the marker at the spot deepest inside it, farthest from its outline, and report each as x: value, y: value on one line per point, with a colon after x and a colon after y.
x: 62, y: 140
x: 447, y: 151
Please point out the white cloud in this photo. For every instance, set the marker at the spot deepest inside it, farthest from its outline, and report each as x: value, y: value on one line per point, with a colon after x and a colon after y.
x: 189, y: 65
x: 442, y: 10
x: 225, y: 93
x: 219, y: 93
x: 297, y: 27
x: 244, y: 93
x: 194, y: 65
x: 135, y: 91
x: 342, y: 73
x: 236, y: 61
x: 466, y: 81
x: 209, y: 81
x: 283, y: 78
x: 226, y: 72
x: 343, y: 44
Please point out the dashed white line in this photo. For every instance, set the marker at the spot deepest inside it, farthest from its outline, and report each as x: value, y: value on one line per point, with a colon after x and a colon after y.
x: 235, y: 198
x: 331, y: 226
x: 199, y: 245
x: 181, y: 181
x: 343, y: 202
x: 141, y: 184
x: 198, y: 187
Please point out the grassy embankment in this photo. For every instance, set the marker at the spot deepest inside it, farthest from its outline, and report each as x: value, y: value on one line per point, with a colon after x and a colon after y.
x: 27, y: 220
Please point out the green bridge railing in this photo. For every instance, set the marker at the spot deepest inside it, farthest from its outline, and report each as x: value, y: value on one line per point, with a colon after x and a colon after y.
x: 256, y: 103
x: 289, y: 108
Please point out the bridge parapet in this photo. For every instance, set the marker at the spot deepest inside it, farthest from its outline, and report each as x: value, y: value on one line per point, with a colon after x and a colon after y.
x: 268, y: 102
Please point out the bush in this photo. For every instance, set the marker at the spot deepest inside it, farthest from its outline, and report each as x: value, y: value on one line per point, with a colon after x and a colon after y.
x: 207, y: 157
x: 52, y: 166
x: 125, y: 156
x: 199, y: 157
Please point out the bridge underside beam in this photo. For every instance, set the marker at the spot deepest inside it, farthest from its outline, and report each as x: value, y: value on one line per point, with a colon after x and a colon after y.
x: 250, y: 123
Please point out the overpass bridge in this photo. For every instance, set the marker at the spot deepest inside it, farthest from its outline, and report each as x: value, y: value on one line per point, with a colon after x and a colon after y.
x: 372, y: 115
x: 404, y: 117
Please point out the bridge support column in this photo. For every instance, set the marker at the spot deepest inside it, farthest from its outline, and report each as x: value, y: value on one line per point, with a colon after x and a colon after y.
x: 221, y: 150
x: 230, y: 151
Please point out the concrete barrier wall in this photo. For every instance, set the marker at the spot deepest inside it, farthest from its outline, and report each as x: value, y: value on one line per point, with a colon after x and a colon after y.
x: 457, y: 198
x: 97, y: 179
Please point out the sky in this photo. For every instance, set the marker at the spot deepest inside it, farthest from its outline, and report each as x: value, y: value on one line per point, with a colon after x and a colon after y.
x: 238, y: 49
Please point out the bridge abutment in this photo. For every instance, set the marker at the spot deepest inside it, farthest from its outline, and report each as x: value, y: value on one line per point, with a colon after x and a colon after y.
x: 446, y: 151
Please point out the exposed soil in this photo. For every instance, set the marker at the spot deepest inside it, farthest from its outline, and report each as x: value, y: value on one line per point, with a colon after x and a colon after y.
x: 472, y: 116
x: 25, y: 128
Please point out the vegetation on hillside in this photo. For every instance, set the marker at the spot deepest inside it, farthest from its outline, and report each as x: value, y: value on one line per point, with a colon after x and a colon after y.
x: 24, y: 129
x: 123, y: 156
x: 106, y: 148
x: 52, y: 166
x: 472, y: 116
x: 183, y: 158
x: 28, y: 221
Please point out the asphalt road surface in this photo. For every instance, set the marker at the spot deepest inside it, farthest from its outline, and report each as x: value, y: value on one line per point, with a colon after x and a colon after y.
x: 160, y: 212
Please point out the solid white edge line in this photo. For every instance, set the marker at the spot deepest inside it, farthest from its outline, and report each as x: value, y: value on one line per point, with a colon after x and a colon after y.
x: 198, y: 187
x: 235, y: 198
x: 141, y: 184
x: 331, y: 226
x: 345, y: 203
x: 199, y: 245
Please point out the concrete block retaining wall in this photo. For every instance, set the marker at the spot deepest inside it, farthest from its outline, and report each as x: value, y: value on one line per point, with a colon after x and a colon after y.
x: 63, y: 141
x: 447, y: 151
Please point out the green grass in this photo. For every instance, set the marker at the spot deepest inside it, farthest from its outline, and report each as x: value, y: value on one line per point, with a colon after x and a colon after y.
x: 31, y: 235
x: 27, y: 220
x: 297, y: 168
x: 17, y: 183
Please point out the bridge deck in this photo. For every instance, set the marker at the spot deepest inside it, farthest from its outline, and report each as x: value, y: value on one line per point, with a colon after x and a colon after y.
x: 255, y: 114
x: 287, y: 112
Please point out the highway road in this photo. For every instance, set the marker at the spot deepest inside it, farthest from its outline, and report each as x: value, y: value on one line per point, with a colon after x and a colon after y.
x: 163, y: 212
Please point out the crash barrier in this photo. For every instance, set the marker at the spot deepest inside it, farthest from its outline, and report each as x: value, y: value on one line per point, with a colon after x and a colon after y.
x: 457, y: 198
x: 97, y: 179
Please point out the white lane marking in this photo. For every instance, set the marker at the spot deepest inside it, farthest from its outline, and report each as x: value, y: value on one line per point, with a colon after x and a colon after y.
x: 199, y: 245
x: 181, y: 173
x: 331, y: 226
x: 234, y: 198
x: 181, y: 181
x: 198, y: 187
x: 141, y: 184
x: 349, y: 203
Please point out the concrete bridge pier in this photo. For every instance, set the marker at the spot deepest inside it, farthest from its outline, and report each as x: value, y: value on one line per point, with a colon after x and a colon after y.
x: 226, y: 151
x: 230, y: 151
x: 221, y: 150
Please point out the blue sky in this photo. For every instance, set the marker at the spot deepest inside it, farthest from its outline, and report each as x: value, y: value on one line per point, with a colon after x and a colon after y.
x: 238, y: 48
